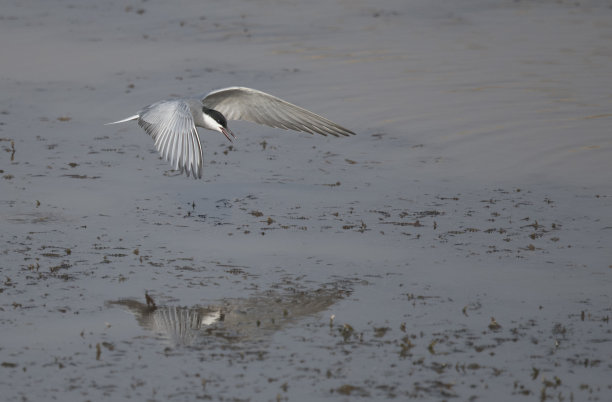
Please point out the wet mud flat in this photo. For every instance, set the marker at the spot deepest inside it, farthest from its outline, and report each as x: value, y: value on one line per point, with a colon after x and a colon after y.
x: 457, y: 248
x: 293, y: 318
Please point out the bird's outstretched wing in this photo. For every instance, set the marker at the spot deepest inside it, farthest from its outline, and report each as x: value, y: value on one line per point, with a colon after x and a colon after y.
x: 240, y: 103
x: 171, y: 125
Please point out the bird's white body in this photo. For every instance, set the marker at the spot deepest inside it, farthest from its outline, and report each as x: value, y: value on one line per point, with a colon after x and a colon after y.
x: 172, y: 123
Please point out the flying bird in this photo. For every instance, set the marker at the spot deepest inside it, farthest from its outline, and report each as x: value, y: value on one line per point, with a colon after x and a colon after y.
x: 173, y: 122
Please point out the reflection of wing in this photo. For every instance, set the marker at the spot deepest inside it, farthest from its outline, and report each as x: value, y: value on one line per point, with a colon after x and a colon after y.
x: 241, y: 319
x: 171, y: 125
x: 250, y: 318
x: 180, y: 325
x: 239, y: 103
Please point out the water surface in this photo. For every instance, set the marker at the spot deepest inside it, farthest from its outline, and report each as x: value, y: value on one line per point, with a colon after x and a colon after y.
x: 457, y: 247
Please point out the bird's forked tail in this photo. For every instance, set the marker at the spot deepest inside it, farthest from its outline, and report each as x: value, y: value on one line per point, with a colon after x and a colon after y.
x: 124, y: 120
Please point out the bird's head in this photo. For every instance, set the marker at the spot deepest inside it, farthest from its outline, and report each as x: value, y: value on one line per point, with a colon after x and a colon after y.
x: 214, y: 120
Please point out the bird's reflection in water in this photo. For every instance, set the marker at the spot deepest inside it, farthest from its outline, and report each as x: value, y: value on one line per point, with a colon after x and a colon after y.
x: 232, y: 320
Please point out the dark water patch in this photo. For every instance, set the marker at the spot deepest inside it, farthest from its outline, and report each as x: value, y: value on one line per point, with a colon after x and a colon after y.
x: 80, y: 176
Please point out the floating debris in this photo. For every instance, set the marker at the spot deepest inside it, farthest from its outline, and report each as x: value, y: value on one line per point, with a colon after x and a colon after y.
x: 494, y: 325
x: 150, y: 301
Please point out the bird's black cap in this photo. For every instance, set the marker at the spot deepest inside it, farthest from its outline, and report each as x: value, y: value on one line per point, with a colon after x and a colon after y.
x: 219, y: 118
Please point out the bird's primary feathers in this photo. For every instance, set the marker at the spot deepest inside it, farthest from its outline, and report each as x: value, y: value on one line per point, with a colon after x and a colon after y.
x: 172, y: 123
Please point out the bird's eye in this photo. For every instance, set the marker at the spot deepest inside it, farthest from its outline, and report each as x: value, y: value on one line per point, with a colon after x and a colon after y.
x: 219, y: 118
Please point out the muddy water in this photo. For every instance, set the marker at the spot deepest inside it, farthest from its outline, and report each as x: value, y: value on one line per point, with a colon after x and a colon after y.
x: 457, y: 248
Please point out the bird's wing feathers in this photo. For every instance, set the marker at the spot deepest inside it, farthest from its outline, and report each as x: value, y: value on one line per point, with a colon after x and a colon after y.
x: 239, y: 103
x: 172, y: 127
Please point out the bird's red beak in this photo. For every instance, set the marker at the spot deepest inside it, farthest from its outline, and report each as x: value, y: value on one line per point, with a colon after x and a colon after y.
x: 227, y: 132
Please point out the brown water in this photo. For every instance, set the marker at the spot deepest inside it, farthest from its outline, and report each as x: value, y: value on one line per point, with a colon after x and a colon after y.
x: 458, y: 247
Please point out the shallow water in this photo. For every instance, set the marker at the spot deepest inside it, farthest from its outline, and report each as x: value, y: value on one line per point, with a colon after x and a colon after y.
x: 457, y: 247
